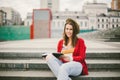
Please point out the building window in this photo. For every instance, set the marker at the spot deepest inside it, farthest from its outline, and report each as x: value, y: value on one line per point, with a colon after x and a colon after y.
x: 102, y: 20
x: 98, y: 20
x: 98, y: 26
x: 106, y: 25
x: 49, y: 5
x: 102, y: 25
x: 117, y: 20
x: 106, y: 20
x: 77, y: 17
x: 49, y: 1
x: 112, y: 20
x: 112, y: 26
x: 57, y: 17
x: 117, y: 25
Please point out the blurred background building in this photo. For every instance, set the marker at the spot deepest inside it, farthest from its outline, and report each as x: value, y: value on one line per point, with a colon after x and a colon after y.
x: 13, y: 17
x: 95, y: 8
x: 94, y: 16
x: 28, y: 20
x: 115, y: 8
x: 51, y: 4
x: 2, y: 17
x: 115, y: 4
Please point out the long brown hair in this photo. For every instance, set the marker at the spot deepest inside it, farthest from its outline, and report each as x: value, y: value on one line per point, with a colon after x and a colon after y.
x: 76, y: 30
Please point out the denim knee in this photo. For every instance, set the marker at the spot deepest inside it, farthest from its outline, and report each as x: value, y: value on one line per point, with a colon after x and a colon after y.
x: 64, y: 67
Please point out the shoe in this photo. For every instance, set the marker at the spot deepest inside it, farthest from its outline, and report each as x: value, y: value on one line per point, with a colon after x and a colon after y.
x: 44, y: 54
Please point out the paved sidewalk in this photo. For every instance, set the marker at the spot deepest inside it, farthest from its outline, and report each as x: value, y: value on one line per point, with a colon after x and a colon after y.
x: 46, y: 45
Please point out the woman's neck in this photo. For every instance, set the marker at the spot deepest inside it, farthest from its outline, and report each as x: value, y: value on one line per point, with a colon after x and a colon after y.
x: 69, y: 42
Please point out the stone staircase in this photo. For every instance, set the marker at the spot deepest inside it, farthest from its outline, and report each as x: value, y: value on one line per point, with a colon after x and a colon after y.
x: 20, y: 61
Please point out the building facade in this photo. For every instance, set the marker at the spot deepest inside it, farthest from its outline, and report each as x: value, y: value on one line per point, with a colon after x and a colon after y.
x: 28, y: 20
x: 51, y: 4
x: 12, y: 16
x: 95, y: 16
x: 112, y: 12
x: 95, y: 8
x: 115, y: 4
x: 2, y: 18
x: 87, y: 19
x: 107, y: 22
x: 59, y: 18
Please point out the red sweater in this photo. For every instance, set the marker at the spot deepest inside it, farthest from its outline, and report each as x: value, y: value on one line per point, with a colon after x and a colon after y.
x: 79, y: 53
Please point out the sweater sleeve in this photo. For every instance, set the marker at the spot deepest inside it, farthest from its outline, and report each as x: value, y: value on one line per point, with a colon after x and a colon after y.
x: 59, y: 46
x: 80, y: 52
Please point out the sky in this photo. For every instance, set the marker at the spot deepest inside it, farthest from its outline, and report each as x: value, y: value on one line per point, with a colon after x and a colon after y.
x: 25, y: 6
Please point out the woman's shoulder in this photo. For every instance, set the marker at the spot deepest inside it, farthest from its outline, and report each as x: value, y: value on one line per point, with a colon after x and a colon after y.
x: 80, y: 39
x: 60, y: 41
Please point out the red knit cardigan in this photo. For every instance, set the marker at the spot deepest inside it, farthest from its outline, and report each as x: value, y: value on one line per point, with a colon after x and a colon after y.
x: 79, y: 53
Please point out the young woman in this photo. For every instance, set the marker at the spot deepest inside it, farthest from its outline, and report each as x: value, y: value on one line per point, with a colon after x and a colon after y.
x: 72, y: 63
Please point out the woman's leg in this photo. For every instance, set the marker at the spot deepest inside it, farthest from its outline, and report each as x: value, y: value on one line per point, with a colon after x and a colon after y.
x: 71, y: 68
x: 53, y: 63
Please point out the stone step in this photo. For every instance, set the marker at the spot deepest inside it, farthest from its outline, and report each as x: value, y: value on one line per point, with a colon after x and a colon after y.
x: 48, y: 75
x: 103, y: 55
x: 39, y: 64
x: 51, y: 49
x: 38, y: 55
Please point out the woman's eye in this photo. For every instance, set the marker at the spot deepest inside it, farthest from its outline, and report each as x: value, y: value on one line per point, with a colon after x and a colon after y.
x: 67, y: 29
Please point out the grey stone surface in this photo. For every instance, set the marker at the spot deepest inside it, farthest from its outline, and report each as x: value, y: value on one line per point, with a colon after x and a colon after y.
x: 47, y: 75
x: 38, y: 64
x: 21, y: 60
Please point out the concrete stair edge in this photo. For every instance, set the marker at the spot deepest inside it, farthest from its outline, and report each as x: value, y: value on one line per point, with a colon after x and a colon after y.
x: 38, y: 64
x: 45, y: 75
x: 92, y: 55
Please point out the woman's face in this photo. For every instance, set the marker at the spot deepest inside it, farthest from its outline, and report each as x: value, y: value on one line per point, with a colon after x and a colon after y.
x: 69, y: 30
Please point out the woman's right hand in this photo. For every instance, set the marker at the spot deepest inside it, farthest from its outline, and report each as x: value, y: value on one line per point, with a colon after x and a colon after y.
x: 65, y: 58
x: 48, y: 56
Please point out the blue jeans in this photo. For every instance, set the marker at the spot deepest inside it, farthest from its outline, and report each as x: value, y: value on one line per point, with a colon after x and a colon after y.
x: 63, y: 70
